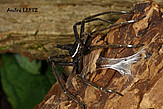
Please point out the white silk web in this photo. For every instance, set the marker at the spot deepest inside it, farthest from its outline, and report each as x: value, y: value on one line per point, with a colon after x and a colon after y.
x: 122, y: 65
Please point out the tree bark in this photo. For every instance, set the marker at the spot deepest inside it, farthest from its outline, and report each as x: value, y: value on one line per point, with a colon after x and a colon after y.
x: 142, y: 88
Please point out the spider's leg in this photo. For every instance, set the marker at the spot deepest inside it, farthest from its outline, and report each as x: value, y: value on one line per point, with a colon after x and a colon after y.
x: 114, y: 46
x: 118, y: 24
x: 58, y: 60
x: 64, y: 88
x: 107, y: 12
x: 92, y: 18
x: 63, y: 63
x: 97, y: 86
x: 65, y: 47
x: 82, y: 23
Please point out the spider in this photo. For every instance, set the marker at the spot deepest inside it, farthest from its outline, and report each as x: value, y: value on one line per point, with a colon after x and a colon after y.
x: 82, y: 47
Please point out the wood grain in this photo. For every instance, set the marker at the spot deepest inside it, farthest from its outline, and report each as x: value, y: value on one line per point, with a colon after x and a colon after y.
x: 35, y: 34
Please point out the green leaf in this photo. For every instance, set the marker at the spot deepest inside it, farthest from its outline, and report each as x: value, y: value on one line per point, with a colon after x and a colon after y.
x: 32, y: 67
x: 23, y: 89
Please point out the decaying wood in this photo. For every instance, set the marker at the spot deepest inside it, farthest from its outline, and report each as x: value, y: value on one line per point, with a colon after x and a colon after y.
x: 36, y: 34
x: 142, y: 90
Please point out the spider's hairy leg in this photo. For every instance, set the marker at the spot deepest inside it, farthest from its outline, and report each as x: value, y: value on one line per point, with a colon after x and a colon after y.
x: 92, y: 18
x: 114, y: 46
x: 97, y: 86
x: 82, y: 23
x: 58, y: 60
x: 118, y: 24
x: 62, y: 86
x: 65, y: 47
x: 107, y: 12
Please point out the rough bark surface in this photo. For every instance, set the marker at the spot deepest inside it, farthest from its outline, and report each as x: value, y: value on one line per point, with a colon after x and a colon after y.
x: 143, y: 89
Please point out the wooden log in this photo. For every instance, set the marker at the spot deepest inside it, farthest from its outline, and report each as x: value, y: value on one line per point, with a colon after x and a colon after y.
x: 142, y: 88
x: 35, y: 34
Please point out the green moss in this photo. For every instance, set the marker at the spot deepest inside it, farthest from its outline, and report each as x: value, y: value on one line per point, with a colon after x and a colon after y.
x: 4, y: 48
x: 39, y: 47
